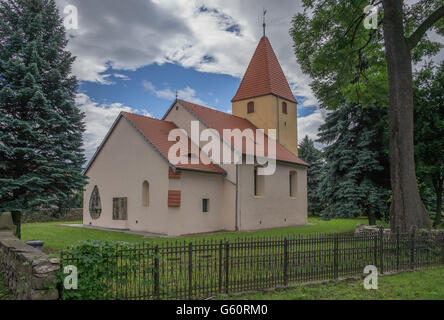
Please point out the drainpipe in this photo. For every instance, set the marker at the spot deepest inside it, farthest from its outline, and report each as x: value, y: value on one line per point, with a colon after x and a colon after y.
x: 237, y: 190
x: 277, y: 114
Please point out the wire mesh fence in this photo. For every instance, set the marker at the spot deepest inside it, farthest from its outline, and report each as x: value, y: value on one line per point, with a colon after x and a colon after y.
x: 201, y: 269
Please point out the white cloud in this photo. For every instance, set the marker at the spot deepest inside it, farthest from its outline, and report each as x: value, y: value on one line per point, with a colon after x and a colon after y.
x: 210, y: 36
x: 98, y: 119
x: 186, y: 93
x: 310, y: 124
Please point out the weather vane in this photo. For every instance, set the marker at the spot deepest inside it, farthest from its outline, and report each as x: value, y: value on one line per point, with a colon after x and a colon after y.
x: 176, y: 94
x: 263, y: 25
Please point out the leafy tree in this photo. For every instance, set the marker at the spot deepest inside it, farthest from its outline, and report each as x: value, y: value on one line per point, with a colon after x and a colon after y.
x: 348, y: 62
x: 356, y: 171
x: 308, y: 152
x: 429, y: 130
x: 40, y: 128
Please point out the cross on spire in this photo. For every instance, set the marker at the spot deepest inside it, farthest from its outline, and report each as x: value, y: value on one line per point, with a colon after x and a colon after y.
x: 263, y: 24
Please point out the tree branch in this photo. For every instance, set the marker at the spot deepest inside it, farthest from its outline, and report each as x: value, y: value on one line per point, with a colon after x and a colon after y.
x: 416, y: 36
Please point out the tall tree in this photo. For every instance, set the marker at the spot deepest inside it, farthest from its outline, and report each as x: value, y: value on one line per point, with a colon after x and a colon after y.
x: 429, y: 130
x: 356, y: 165
x: 40, y: 127
x: 349, y: 62
x: 308, y: 152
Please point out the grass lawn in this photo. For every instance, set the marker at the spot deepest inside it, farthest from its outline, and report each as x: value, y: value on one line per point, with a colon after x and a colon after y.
x: 57, y: 237
x: 419, y: 285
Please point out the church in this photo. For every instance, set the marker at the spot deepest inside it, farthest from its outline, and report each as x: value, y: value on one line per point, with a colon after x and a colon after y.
x: 133, y: 184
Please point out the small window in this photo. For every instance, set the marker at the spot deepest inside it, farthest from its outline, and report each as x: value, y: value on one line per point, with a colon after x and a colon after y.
x: 205, y: 205
x: 250, y: 107
x: 284, y: 107
x: 293, y: 183
x: 120, y: 209
x: 145, y: 194
x: 259, y: 182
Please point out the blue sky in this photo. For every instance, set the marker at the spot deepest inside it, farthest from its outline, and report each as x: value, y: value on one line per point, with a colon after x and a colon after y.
x: 131, y: 88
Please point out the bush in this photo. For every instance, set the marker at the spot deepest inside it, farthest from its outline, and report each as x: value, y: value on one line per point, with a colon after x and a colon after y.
x: 103, y: 267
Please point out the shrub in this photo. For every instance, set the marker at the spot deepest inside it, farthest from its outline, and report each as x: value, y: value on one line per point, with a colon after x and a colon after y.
x: 103, y: 267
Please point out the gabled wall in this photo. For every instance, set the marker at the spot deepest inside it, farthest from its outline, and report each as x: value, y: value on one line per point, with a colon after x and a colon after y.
x: 125, y: 161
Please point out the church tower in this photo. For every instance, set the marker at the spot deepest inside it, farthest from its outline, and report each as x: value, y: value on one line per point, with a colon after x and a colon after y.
x: 264, y: 97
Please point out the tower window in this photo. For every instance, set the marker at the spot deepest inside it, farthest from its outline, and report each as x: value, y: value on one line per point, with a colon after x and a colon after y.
x: 284, y: 107
x: 250, y: 107
x: 293, y: 183
x: 205, y: 205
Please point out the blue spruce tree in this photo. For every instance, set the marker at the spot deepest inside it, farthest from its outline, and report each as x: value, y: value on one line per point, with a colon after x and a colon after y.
x: 356, y: 179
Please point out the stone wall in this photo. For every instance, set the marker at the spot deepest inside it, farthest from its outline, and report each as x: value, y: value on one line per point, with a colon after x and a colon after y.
x: 28, y: 272
x: 47, y: 216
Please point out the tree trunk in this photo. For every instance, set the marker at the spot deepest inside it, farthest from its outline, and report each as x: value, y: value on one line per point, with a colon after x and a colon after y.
x: 437, y: 185
x: 407, y: 209
x: 371, y: 216
x: 17, y: 220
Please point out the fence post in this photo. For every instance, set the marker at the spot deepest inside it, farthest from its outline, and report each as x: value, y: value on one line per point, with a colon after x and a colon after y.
x: 227, y: 256
x: 156, y: 271
x: 220, y: 265
x: 381, y: 250
x: 412, y: 249
x: 190, y: 270
x: 397, y: 248
x: 285, y: 262
x: 375, y: 248
x: 335, y: 253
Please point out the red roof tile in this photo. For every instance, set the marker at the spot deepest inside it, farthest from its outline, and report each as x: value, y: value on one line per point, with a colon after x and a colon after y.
x: 264, y: 75
x: 157, y: 131
x: 220, y: 120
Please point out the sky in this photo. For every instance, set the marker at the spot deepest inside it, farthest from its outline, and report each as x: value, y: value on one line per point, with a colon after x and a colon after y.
x: 134, y: 55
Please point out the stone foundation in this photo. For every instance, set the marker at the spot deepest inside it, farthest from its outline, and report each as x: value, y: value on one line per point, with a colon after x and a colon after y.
x: 29, y: 273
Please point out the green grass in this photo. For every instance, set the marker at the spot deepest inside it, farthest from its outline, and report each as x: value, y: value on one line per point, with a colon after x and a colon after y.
x: 419, y: 285
x: 57, y: 237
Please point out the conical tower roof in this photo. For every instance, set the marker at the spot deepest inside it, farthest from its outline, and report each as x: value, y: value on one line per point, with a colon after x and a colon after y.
x: 264, y: 75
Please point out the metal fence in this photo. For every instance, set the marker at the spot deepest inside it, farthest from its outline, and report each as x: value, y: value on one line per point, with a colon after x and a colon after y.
x: 206, y: 268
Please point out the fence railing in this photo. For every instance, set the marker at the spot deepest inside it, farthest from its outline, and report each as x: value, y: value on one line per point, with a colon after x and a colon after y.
x: 207, y: 268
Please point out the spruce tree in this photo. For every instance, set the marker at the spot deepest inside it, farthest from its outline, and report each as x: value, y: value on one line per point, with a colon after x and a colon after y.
x: 308, y: 152
x: 429, y: 135
x: 356, y: 171
x: 41, y: 129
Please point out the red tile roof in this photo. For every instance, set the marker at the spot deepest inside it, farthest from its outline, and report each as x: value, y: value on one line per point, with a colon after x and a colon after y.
x: 220, y: 120
x: 264, y: 75
x: 157, y: 131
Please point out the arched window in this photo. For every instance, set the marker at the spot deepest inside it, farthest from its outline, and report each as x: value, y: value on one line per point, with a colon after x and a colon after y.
x: 284, y: 107
x: 95, y: 206
x: 259, y: 182
x: 250, y: 107
x: 293, y: 183
x: 145, y: 194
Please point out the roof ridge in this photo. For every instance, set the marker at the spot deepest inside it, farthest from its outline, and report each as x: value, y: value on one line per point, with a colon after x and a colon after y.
x: 211, y: 109
x: 144, y: 116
